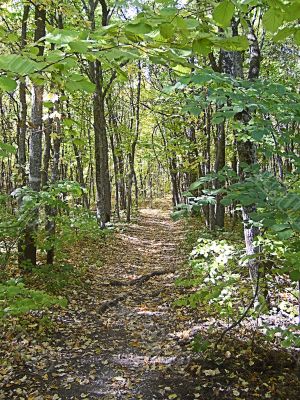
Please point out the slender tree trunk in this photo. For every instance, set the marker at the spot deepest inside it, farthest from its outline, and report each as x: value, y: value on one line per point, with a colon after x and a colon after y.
x: 136, y: 191
x: 78, y: 158
x: 132, y: 177
x: 219, y: 165
x: 23, y: 107
x: 52, y: 211
x: 113, y: 125
x: 207, y: 158
x: 101, y: 143
x: 101, y: 153
x: 121, y: 169
x: 80, y: 173
x: 47, y: 151
x: 247, y: 155
x: 174, y: 180
x: 35, y: 149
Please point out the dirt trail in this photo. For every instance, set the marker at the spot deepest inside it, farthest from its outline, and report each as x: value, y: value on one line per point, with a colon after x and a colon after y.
x: 117, y: 338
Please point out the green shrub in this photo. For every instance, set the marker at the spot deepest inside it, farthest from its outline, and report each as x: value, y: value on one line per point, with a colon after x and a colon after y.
x: 16, y: 299
x: 215, y: 276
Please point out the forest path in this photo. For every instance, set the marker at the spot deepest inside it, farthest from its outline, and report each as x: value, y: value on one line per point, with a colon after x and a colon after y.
x: 127, y: 345
x: 119, y: 337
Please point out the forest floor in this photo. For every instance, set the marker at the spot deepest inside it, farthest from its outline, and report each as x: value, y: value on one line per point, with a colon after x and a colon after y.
x: 120, y: 337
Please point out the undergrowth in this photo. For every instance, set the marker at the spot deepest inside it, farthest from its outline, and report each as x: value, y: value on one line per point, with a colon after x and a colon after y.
x: 217, y: 281
x: 16, y: 299
x: 27, y: 289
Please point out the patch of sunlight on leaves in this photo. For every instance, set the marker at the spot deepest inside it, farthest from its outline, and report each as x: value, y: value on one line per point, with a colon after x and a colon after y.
x: 214, y: 276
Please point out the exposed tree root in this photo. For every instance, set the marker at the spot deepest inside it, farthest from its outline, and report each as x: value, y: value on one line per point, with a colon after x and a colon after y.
x: 138, y: 281
x: 141, y: 279
x: 111, y: 303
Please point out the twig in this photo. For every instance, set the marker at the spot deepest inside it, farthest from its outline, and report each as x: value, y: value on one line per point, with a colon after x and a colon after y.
x: 244, y: 315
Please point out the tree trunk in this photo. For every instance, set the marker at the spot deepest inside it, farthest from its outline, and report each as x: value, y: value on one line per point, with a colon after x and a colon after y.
x: 219, y: 165
x: 35, y: 148
x: 113, y: 124
x: 121, y: 169
x: 101, y: 143
x: 101, y: 152
x: 247, y: 155
x: 131, y: 177
x: 174, y: 180
x: 52, y: 211
x: 23, y: 107
x: 22, y: 127
x: 47, y: 151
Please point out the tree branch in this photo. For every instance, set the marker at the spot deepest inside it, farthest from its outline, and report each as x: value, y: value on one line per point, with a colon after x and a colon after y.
x: 213, y: 62
x: 244, y: 315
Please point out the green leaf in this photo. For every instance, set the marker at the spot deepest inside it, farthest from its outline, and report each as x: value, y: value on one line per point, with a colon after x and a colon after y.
x: 195, y: 185
x: 177, y: 215
x: 167, y: 30
x: 18, y: 64
x: 82, y: 85
x: 6, y: 149
x: 201, y: 181
x: 76, y: 77
x: 227, y: 201
x: 286, y: 234
x: 297, y: 37
x: 79, y: 46
x: 139, y: 28
x: 295, y: 275
x: 62, y: 36
x: 68, y: 122
x: 79, y: 142
x: 292, y: 11
x: 283, y: 34
x: 218, y: 119
x: 202, y: 46
x: 235, y: 43
x: 193, y: 109
x: 272, y: 20
x: 169, y: 11
x: 120, y: 54
x: 7, y: 84
x: 191, y: 23
x: 223, y: 13
x: 202, y: 77
x: 280, y: 227
x: 181, y: 69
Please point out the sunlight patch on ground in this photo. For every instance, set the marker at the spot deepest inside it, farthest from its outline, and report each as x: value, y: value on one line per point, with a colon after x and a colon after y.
x: 135, y: 361
x: 145, y: 311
